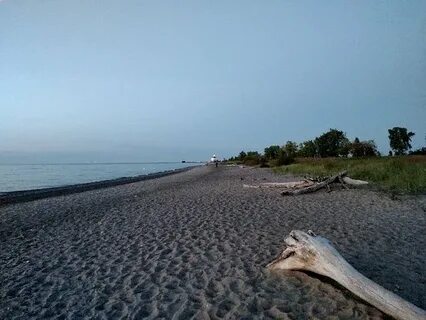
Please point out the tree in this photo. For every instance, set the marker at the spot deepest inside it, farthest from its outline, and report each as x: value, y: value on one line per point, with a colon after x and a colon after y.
x: 242, y: 155
x: 287, y: 153
x: 363, y: 148
x: 252, y: 158
x: 290, y: 148
x: 253, y: 154
x: 271, y: 152
x: 399, y: 140
x: 284, y: 158
x: 308, y: 149
x: 332, y: 144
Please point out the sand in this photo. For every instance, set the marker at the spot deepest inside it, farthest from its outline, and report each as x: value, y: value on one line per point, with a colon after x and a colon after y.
x: 194, y: 245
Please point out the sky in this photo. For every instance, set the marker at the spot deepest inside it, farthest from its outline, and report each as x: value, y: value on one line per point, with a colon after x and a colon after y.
x: 132, y: 80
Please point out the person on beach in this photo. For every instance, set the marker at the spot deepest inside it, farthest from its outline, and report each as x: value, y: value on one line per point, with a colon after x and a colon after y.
x: 214, y: 160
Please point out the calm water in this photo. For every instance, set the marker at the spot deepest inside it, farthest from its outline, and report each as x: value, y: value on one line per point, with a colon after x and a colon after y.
x: 36, y: 176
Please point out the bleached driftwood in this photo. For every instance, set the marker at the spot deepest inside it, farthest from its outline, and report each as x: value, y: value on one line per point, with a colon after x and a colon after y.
x: 309, y: 185
x: 306, y: 251
x: 354, y: 182
x: 293, y: 184
x: 315, y: 186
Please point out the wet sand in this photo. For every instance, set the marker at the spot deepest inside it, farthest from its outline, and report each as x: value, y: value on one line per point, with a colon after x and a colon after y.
x: 194, y: 245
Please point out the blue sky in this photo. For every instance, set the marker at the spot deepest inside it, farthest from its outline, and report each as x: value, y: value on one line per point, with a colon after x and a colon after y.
x: 167, y: 80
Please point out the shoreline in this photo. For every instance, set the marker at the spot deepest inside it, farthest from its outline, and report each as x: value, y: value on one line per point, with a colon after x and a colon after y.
x: 195, y: 245
x: 11, y: 197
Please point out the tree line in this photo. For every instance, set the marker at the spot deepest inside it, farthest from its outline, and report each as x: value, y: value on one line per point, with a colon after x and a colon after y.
x: 332, y: 143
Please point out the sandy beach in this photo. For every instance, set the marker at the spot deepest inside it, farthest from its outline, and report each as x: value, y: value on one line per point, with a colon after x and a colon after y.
x: 194, y: 245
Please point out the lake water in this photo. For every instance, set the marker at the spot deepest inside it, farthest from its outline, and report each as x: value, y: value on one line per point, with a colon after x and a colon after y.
x: 35, y: 176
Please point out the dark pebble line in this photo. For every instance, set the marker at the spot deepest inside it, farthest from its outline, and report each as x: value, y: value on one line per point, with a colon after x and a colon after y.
x: 35, y: 194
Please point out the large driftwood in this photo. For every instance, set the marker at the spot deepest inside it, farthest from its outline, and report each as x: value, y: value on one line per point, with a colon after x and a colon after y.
x: 293, y: 184
x: 315, y: 186
x: 308, y: 185
x: 354, y: 182
x: 306, y: 251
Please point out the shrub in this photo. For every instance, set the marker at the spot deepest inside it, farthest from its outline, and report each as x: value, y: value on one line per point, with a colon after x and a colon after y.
x: 271, y: 152
x: 396, y: 174
x: 418, y: 152
x: 363, y: 148
x: 308, y: 149
x: 263, y: 162
x: 252, y: 158
x: 284, y: 158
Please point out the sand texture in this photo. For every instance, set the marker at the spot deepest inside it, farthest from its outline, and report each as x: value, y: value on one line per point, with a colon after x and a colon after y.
x: 194, y: 245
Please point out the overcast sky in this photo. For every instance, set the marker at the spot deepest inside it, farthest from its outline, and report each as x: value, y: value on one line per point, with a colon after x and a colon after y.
x: 124, y: 80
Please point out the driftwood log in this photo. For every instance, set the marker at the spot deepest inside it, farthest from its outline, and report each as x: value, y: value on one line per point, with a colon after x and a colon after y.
x: 341, y: 177
x: 354, y: 182
x: 306, y: 251
x: 292, y: 185
x: 316, y: 186
x: 308, y: 185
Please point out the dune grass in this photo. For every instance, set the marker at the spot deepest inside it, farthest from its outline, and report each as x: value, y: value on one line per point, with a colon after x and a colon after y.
x: 396, y: 174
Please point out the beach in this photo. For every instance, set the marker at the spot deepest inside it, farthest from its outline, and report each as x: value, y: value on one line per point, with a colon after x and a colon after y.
x: 194, y: 245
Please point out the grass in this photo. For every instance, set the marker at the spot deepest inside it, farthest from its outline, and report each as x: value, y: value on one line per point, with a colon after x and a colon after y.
x: 405, y: 174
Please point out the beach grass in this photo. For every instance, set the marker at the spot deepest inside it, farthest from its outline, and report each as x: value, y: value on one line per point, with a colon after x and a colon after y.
x: 405, y: 174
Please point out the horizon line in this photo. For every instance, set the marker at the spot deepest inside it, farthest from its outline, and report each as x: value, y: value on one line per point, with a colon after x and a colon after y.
x: 102, y: 163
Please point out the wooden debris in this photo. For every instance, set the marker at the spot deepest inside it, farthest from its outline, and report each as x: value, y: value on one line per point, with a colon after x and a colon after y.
x: 293, y: 184
x: 309, y: 185
x: 341, y: 177
x: 306, y: 251
x: 314, y: 187
x: 342, y: 183
x: 354, y: 182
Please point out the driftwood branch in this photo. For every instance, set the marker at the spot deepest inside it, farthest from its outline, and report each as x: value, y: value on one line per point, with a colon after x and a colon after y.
x: 343, y: 183
x: 316, y: 186
x: 354, y: 182
x: 306, y: 251
x: 293, y: 184
x: 308, y: 185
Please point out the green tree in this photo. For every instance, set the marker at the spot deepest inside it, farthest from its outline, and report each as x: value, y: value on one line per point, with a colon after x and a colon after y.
x: 252, y: 158
x: 287, y: 153
x: 363, y: 148
x: 332, y: 144
x: 284, y: 158
x: 290, y: 148
x: 242, y: 155
x: 356, y: 148
x: 399, y: 140
x: 253, y: 154
x: 271, y: 152
x: 308, y: 149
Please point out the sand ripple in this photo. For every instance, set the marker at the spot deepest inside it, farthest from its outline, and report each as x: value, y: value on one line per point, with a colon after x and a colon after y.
x: 194, y: 246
